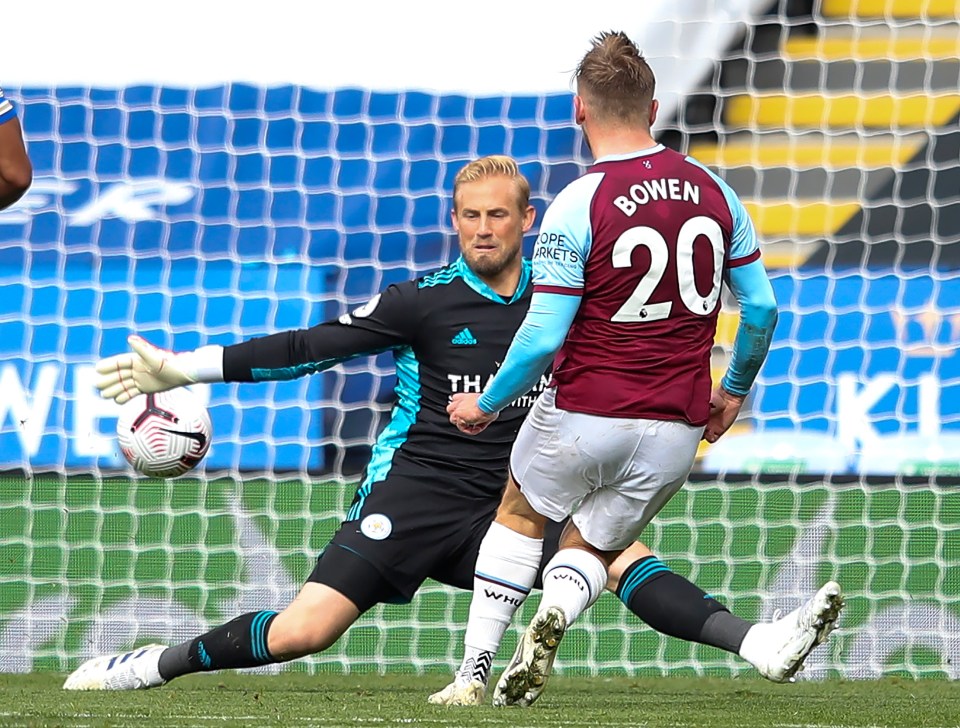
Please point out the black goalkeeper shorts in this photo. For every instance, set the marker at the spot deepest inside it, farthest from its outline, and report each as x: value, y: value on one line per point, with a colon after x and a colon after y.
x: 406, y: 532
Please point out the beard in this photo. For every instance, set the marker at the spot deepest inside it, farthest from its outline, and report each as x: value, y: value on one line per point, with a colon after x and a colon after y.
x: 492, y: 265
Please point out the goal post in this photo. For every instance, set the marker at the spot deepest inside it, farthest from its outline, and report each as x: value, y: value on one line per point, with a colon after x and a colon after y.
x: 198, y: 215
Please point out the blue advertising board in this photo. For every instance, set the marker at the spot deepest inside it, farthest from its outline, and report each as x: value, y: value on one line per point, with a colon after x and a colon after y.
x: 210, y: 215
x: 863, y: 376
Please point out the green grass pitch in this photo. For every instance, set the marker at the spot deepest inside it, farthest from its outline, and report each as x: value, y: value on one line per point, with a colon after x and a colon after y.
x: 400, y: 700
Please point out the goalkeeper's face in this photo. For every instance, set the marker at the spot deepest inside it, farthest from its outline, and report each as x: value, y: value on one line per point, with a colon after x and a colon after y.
x: 491, y: 220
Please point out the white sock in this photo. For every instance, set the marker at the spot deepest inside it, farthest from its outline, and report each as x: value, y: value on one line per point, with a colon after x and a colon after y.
x: 572, y: 581
x: 506, y: 568
x: 476, y: 665
x: 756, y: 645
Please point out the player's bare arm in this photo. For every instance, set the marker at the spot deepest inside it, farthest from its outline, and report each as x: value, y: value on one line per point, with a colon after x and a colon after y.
x: 467, y: 415
x: 16, y: 172
x: 724, y: 410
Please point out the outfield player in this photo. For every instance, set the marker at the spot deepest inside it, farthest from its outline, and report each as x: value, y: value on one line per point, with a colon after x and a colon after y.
x: 627, y: 276
x: 16, y: 172
x: 429, y: 492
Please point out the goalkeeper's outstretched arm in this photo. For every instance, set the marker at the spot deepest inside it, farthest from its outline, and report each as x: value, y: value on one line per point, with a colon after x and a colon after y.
x: 387, y: 322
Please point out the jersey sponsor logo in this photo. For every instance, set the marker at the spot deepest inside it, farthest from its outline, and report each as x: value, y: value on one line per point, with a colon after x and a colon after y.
x: 467, y: 383
x: 376, y: 526
x: 474, y: 384
x: 464, y: 338
x: 550, y: 247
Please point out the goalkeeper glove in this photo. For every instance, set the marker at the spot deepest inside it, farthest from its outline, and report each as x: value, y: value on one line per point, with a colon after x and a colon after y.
x: 147, y: 369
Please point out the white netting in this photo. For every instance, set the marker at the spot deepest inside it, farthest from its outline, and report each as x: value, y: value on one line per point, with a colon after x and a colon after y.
x: 209, y: 214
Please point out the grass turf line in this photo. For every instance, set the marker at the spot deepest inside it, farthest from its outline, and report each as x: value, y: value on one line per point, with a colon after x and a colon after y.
x: 329, y: 701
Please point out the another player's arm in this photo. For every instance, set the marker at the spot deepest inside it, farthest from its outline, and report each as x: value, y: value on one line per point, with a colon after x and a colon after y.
x: 559, y: 260
x: 758, y: 318
x: 534, y: 346
x: 16, y: 172
x: 747, y: 279
x: 387, y: 322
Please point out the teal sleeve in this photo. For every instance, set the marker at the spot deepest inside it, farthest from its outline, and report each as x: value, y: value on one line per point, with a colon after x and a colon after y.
x: 535, y: 344
x: 758, y: 318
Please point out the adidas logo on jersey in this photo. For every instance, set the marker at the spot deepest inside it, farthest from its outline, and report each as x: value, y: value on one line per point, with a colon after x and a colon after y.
x: 464, y: 338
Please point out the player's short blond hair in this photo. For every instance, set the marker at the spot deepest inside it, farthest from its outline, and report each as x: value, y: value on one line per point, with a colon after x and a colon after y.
x: 615, y: 79
x: 496, y: 165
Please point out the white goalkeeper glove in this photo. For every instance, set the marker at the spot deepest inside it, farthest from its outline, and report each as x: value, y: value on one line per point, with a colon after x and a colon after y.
x: 147, y: 369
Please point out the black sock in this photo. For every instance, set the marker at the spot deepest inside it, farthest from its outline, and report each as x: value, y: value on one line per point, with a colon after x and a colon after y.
x: 676, y: 607
x: 241, y: 642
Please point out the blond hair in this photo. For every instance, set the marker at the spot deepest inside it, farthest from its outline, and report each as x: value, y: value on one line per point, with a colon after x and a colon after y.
x: 496, y: 165
x: 615, y: 79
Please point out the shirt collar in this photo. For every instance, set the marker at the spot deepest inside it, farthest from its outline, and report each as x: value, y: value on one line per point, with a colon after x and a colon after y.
x: 477, y: 284
x: 630, y: 155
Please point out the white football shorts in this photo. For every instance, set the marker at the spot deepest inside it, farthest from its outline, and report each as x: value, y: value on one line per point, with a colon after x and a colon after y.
x: 611, y: 474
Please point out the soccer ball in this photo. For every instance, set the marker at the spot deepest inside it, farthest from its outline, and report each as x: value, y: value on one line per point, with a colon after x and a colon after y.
x: 165, y: 434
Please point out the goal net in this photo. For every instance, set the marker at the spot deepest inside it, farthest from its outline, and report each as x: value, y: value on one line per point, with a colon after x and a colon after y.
x: 207, y: 215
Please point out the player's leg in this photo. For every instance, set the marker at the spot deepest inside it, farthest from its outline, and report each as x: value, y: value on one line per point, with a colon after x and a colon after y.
x: 628, y: 469
x: 509, y: 558
x: 572, y: 581
x: 341, y: 587
x: 778, y: 648
x: 312, y: 622
x: 506, y: 567
x: 674, y: 606
x: 671, y: 604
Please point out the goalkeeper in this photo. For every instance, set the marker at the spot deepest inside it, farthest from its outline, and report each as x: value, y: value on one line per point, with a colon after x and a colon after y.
x: 430, y: 492
x: 16, y: 172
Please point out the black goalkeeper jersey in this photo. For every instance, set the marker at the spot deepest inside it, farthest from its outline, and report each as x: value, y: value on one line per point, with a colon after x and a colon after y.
x: 449, y: 332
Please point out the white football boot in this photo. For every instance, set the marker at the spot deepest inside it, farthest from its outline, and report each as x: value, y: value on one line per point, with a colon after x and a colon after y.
x: 777, y: 649
x: 526, y: 676
x: 134, y: 670
x: 460, y: 693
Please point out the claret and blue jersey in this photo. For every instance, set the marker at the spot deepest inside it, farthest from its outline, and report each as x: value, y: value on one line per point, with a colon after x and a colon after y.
x: 631, y: 258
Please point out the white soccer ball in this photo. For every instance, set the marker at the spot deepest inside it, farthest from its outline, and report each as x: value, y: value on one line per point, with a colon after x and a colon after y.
x: 165, y: 434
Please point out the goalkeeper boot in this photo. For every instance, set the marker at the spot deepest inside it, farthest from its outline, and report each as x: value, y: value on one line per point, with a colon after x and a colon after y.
x: 777, y: 649
x: 134, y: 670
x: 526, y: 676
x: 458, y: 692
